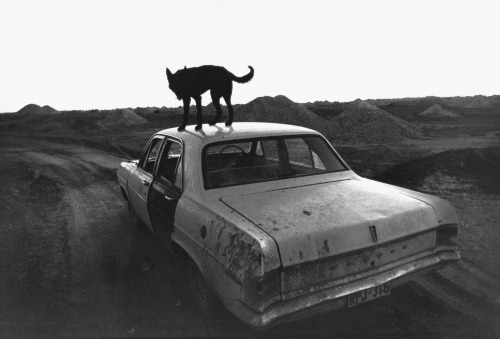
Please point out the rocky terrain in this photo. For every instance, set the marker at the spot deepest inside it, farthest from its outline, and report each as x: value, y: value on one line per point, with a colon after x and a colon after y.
x: 73, y: 265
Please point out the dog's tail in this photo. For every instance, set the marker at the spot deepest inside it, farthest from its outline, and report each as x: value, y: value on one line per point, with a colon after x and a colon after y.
x: 245, y: 78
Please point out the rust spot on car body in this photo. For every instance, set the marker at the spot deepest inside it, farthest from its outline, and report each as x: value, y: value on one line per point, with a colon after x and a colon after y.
x: 325, y: 249
x: 219, y: 241
x: 240, y: 253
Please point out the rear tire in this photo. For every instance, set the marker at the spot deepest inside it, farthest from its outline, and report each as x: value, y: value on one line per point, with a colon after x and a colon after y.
x: 199, y: 290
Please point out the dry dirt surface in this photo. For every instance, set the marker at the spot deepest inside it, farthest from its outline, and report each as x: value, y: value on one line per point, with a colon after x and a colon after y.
x: 73, y: 265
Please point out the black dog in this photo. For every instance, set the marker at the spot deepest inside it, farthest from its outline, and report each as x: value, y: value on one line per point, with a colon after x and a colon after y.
x: 192, y: 82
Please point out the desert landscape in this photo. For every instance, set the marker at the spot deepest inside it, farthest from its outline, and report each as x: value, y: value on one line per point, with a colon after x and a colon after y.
x: 72, y: 264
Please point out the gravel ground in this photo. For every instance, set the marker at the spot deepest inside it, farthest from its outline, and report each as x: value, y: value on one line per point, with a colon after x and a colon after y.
x: 72, y: 264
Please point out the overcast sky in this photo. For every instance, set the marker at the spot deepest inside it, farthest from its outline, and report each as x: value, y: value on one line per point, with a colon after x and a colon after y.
x: 109, y: 54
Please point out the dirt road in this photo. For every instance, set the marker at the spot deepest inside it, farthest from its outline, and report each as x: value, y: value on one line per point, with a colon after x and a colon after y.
x: 72, y: 264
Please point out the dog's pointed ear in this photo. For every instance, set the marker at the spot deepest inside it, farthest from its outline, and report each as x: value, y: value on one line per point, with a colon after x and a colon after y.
x: 185, y: 67
x: 169, y: 74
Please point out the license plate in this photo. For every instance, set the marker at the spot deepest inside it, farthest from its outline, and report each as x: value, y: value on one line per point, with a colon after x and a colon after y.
x: 368, y: 294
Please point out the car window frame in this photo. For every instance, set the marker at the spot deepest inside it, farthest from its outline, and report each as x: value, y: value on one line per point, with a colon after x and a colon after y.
x: 280, y: 138
x: 147, y: 150
x: 180, y: 164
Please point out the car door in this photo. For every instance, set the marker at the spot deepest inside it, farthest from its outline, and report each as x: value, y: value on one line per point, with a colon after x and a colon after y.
x: 140, y: 181
x: 166, y: 190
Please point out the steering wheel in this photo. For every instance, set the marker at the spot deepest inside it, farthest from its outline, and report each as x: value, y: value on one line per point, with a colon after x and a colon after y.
x: 229, y: 146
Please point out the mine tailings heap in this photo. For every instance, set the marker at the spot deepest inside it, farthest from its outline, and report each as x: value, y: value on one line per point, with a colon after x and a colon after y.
x: 122, y: 117
x: 33, y: 109
x: 362, y: 122
x: 282, y: 110
x: 436, y: 111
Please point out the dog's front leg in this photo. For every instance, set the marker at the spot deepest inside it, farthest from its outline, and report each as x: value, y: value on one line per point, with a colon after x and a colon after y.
x: 185, y: 117
x: 198, y: 112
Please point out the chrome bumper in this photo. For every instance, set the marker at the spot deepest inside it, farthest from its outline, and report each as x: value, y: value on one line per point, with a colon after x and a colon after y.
x: 334, y: 297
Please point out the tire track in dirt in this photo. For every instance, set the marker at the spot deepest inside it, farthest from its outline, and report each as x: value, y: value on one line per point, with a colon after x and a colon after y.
x: 55, y: 190
x: 35, y: 263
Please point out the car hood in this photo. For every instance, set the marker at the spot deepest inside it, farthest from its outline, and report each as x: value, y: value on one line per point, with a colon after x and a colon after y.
x: 321, y: 220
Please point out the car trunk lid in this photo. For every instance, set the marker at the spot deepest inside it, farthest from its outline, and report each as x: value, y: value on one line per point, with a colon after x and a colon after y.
x: 318, y: 221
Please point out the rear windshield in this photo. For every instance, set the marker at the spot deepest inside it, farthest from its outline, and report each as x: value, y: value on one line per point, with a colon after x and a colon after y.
x: 240, y: 162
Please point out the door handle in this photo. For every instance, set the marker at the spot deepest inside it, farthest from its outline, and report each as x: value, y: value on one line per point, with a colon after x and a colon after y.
x: 145, y: 183
x: 169, y: 197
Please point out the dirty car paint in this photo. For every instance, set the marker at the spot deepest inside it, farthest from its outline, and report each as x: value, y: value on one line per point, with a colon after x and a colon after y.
x: 314, y: 239
x: 337, y: 270
x: 319, y: 221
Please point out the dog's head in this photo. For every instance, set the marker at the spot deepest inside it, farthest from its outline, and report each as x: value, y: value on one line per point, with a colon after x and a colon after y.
x: 175, y: 83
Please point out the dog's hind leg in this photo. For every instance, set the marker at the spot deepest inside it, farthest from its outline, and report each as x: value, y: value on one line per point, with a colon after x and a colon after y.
x: 185, y: 117
x: 215, y: 101
x: 227, y: 99
x: 198, y: 113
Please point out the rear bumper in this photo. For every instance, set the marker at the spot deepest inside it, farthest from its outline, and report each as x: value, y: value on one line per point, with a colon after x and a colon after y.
x: 335, y: 297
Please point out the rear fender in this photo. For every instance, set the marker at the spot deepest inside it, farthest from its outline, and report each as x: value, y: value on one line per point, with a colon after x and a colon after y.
x: 226, y: 249
x: 445, y: 212
x: 123, y: 173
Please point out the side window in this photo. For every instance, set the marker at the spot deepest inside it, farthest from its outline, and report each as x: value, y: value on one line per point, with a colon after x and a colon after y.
x: 270, y: 150
x: 299, y: 152
x: 170, y: 163
x: 322, y: 155
x: 148, y: 159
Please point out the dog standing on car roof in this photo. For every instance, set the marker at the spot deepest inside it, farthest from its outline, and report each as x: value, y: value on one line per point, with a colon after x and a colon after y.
x: 192, y: 82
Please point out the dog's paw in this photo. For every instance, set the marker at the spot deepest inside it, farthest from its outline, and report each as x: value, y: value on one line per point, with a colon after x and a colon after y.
x: 198, y: 127
x: 229, y: 123
x: 181, y: 128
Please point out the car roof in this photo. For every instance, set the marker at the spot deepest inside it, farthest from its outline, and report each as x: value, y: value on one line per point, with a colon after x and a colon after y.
x: 238, y: 130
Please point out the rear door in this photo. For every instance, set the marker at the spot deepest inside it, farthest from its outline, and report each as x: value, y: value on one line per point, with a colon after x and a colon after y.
x: 166, y: 190
x: 140, y: 181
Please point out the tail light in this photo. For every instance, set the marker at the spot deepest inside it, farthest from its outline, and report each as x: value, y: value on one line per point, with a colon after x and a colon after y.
x: 446, y: 235
x: 260, y: 292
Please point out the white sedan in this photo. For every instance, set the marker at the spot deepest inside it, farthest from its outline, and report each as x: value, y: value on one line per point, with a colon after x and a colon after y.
x: 273, y: 224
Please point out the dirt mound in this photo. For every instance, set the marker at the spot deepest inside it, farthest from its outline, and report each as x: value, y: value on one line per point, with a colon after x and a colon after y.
x: 279, y: 109
x: 477, y: 101
x: 436, y: 111
x: 360, y: 105
x: 472, y: 170
x: 122, y: 117
x: 209, y: 111
x: 146, y: 110
x: 363, y: 122
x: 33, y: 109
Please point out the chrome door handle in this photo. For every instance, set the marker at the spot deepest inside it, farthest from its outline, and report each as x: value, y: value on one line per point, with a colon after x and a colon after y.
x: 145, y: 183
x: 169, y: 198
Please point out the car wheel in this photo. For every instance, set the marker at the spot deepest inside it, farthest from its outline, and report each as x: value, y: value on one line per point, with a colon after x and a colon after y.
x: 199, y: 290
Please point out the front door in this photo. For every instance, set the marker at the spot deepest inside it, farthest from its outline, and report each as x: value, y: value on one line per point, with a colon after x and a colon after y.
x: 140, y: 182
x: 165, y: 191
